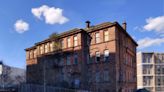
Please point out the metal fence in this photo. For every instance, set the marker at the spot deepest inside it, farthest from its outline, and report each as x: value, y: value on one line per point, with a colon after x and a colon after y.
x: 40, y: 88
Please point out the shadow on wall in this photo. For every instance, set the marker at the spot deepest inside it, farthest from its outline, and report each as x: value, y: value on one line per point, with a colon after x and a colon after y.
x: 57, y: 72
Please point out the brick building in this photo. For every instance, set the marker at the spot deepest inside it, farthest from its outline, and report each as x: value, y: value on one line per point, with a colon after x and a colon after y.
x: 100, y: 57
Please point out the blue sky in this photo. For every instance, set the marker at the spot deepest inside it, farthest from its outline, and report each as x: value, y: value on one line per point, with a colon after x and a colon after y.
x: 25, y: 22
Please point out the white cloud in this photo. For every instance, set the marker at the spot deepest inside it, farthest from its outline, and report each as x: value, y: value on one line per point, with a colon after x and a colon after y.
x: 51, y: 15
x: 155, y: 24
x: 21, y: 26
x: 148, y: 42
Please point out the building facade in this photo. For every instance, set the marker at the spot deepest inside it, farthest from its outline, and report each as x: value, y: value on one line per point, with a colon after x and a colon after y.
x: 99, y: 58
x: 150, y: 71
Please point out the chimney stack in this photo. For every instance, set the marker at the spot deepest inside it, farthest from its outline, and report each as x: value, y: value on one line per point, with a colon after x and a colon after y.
x: 87, y: 24
x: 124, y: 25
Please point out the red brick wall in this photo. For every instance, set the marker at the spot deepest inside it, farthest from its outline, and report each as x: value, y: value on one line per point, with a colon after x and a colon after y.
x: 121, y: 49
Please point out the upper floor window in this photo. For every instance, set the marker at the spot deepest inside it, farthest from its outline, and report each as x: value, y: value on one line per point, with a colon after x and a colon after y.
x: 35, y: 53
x: 106, y: 35
x: 68, y: 60
x: 46, y: 48
x: 147, y: 58
x: 41, y: 50
x: 51, y: 46
x: 97, y: 56
x: 31, y: 54
x: 158, y: 69
x: 75, y: 40
x: 75, y: 58
x: 106, y: 55
x: 68, y: 42
x: 27, y: 55
x: 160, y: 57
x: 62, y: 43
x: 147, y: 69
x: 97, y: 37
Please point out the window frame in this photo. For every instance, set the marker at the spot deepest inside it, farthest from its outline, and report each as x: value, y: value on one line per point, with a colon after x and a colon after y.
x: 46, y: 48
x: 68, y: 58
x: 68, y: 42
x: 106, y: 56
x: 75, y: 58
x: 97, y: 76
x: 106, y: 78
x: 98, y: 55
x: 75, y: 41
x: 27, y: 54
x: 106, y: 35
x: 31, y: 54
x: 97, y: 37
x: 62, y: 43
x: 35, y: 53
x: 42, y: 49
x: 51, y: 46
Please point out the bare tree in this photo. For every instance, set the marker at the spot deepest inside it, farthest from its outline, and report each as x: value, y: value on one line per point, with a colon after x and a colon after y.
x: 6, y: 78
x: 20, y: 79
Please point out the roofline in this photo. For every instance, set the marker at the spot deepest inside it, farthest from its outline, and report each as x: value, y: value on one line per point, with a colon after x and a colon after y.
x: 101, y: 26
x: 33, y: 47
x: 117, y: 24
x: 151, y: 52
x: 64, y: 34
x: 88, y: 30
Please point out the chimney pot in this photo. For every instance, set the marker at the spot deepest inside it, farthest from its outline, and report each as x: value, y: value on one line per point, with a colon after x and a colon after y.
x: 87, y: 24
x: 124, y: 25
